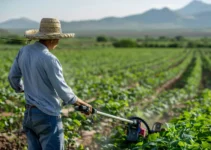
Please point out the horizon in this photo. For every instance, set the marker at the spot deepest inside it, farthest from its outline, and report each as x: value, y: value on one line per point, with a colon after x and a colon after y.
x: 23, y: 10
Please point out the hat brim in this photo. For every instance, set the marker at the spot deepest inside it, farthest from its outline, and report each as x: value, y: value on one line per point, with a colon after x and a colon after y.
x: 35, y: 35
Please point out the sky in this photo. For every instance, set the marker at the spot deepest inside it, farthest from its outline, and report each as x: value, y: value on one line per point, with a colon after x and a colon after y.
x: 74, y: 10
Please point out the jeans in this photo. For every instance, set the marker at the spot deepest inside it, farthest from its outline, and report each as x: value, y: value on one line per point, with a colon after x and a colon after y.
x: 44, y: 132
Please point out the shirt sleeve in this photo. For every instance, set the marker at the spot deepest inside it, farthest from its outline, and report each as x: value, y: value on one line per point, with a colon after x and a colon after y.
x: 55, y: 75
x: 15, y: 76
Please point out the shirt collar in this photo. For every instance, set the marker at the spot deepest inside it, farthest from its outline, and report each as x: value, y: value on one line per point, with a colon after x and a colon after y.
x: 42, y: 46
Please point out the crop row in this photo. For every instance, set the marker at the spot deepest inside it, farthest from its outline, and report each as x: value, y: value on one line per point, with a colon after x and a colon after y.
x: 113, y: 91
x: 180, y: 134
x: 168, y: 99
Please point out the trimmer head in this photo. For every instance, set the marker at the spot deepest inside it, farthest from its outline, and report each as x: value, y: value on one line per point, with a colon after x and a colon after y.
x: 136, y: 128
x: 140, y: 129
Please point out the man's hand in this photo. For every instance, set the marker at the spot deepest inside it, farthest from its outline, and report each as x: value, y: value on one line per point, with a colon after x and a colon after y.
x: 81, y: 102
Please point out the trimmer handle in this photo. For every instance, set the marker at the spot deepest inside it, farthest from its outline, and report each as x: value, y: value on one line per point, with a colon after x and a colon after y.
x: 84, y: 109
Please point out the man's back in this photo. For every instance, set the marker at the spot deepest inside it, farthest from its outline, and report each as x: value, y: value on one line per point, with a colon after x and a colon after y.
x: 33, y: 60
x: 42, y: 75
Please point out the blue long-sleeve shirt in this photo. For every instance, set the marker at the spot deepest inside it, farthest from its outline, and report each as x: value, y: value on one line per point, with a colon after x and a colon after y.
x: 43, y: 81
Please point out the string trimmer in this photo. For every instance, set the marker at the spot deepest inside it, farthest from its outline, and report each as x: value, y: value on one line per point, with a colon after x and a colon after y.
x: 135, y: 127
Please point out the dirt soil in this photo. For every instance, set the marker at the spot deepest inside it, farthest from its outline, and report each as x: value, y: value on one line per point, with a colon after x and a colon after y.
x: 12, y: 142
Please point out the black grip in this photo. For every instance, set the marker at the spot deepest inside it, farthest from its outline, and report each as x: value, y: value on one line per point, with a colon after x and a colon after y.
x: 84, y: 109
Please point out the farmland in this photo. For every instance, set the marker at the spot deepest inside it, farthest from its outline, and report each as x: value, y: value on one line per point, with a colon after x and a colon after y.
x: 170, y: 85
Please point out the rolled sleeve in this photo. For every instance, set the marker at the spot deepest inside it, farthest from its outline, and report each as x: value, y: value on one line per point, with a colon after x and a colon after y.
x: 15, y: 76
x: 55, y: 75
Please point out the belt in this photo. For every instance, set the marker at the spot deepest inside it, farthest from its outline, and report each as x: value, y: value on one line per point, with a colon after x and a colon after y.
x: 27, y: 106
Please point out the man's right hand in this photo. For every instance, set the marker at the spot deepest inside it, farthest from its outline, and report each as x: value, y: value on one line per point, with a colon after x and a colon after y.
x: 81, y: 102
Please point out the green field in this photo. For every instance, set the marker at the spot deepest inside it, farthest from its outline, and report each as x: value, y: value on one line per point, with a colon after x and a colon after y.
x: 170, y: 85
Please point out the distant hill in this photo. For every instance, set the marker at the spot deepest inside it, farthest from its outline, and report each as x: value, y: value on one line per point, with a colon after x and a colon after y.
x: 19, y: 24
x: 153, y: 16
x: 149, y: 19
x: 195, y: 15
x: 3, y: 32
x: 194, y: 7
x: 201, y: 20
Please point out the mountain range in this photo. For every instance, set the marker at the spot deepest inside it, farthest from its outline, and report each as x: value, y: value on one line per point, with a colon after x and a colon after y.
x: 195, y: 15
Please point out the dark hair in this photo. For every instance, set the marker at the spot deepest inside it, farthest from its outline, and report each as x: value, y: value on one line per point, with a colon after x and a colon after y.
x: 42, y: 40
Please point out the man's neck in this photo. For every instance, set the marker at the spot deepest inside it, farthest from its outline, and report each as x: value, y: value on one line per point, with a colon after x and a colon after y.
x: 45, y: 43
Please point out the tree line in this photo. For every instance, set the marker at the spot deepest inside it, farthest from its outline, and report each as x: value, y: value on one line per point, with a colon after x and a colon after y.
x: 160, y: 42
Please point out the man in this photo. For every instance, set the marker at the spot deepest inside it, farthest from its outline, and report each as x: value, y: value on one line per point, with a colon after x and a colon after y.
x: 43, y: 83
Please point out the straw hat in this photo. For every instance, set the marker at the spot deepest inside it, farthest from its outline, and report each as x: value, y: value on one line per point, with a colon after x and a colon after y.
x: 50, y: 28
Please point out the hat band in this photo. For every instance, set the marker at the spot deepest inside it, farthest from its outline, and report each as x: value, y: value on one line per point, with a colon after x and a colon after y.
x: 55, y: 25
x: 50, y: 30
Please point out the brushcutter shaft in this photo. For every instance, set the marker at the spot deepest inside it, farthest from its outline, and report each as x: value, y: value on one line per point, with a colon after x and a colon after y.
x: 115, y: 117
x: 85, y: 109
